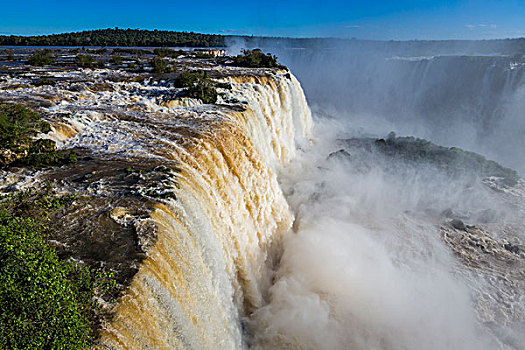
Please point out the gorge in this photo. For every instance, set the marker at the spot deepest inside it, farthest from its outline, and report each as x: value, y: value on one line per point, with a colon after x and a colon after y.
x: 250, y: 223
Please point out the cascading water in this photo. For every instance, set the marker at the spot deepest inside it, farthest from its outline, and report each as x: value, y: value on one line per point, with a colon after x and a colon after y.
x: 449, y: 96
x: 244, y: 232
x: 217, y: 241
x: 382, y: 258
x: 369, y: 267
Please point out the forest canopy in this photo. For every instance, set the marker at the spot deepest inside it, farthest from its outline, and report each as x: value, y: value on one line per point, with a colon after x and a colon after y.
x: 118, y: 37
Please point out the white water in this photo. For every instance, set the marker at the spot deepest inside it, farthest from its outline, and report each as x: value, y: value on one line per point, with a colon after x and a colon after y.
x: 217, y: 241
x: 368, y: 269
x: 473, y: 102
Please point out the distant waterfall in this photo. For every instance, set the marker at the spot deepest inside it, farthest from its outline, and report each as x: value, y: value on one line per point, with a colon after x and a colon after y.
x: 472, y: 102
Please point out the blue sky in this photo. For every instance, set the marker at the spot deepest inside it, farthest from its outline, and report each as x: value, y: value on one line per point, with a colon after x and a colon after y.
x: 373, y: 19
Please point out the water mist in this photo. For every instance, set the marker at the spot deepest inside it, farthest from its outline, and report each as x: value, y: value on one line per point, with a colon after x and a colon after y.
x: 364, y: 269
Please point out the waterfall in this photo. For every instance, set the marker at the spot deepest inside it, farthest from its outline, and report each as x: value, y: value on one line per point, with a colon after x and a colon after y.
x: 464, y: 100
x: 192, y: 206
x: 219, y: 238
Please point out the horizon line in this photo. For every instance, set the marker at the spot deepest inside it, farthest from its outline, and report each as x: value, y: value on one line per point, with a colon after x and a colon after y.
x: 257, y: 36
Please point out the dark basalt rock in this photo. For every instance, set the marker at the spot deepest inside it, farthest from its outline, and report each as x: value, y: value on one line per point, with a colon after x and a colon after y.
x: 98, y: 87
x: 454, y: 161
x: 458, y: 224
x: 341, y: 154
x: 513, y: 248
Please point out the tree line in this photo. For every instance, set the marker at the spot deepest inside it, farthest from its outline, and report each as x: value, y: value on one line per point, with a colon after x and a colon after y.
x: 118, y: 37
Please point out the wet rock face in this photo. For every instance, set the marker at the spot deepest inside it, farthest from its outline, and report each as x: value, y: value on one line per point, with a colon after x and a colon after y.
x: 493, y: 261
x: 454, y: 161
x: 458, y: 224
x: 108, y: 224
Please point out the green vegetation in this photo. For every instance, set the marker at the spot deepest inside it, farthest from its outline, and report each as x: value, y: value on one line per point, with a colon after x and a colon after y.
x: 197, y: 84
x: 84, y: 60
x: 87, y: 61
x: 19, y: 126
x: 136, y: 66
x: 45, y: 302
x: 41, y: 58
x: 116, y: 60
x: 256, y: 59
x: 10, y: 55
x: 118, y: 37
x: 48, y: 158
x: 160, y: 65
x: 190, y: 78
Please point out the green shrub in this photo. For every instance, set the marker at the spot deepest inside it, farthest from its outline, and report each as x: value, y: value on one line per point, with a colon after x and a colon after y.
x: 47, y: 158
x: 84, y: 61
x: 41, y: 58
x: 18, y: 125
x: 160, y: 65
x: 43, y: 145
x: 116, y: 60
x: 206, y: 93
x: 162, y: 52
x: 45, y: 302
x: 137, y: 66
x: 10, y: 55
x: 190, y: 78
x: 224, y: 85
x: 256, y: 59
x: 198, y: 84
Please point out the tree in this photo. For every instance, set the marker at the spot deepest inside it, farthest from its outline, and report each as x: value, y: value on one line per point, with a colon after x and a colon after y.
x: 256, y: 59
x: 41, y: 58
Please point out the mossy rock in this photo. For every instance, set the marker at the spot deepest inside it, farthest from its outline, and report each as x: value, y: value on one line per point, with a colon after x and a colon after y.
x: 43, y: 159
